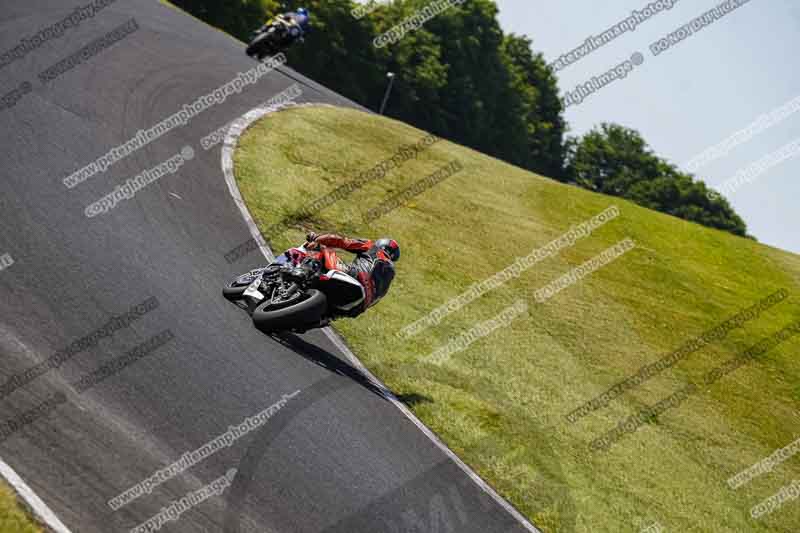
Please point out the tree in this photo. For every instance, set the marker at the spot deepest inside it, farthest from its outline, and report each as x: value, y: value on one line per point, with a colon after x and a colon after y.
x: 338, y: 52
x: 237, y: 17
x: 541, y: 108
x: 615, y: 160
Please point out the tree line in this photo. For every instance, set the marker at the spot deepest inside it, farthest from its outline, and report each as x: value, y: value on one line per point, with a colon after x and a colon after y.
x: 461, y: 77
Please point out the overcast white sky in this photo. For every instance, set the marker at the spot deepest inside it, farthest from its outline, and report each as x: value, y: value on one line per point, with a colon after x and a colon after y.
x: 693, y: 95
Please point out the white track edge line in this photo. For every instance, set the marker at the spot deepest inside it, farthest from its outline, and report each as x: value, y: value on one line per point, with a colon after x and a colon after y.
x: 229, y: 146
x: 40, y: 509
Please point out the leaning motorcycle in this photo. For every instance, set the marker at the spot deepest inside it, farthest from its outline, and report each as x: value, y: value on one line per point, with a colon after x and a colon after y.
x: 295, y: 292
x: 269, y: 39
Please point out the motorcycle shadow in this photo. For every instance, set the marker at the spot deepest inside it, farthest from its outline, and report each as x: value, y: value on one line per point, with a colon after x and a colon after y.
x: 325, y: 359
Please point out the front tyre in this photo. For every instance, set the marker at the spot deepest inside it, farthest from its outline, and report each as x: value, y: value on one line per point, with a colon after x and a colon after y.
x: 262, y: 46
x: 305, y: 313
x: 254, y: 48
x: 235, y: 289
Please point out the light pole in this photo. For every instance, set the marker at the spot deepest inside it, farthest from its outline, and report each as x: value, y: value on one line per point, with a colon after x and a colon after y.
x: 389, y: 75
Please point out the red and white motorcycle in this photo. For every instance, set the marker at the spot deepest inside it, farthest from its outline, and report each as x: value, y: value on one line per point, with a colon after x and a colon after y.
x: 295, y: 292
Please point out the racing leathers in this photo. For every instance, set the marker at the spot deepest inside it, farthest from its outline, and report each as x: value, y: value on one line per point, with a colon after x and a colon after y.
x: 372, y: 267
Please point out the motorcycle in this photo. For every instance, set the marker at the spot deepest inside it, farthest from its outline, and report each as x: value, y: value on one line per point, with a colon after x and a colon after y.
x: 295, y: 293
x: 277, y: 35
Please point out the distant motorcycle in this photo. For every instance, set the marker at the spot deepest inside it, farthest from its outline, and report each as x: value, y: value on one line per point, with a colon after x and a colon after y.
x: 295, y: 292
x: 277, y: 35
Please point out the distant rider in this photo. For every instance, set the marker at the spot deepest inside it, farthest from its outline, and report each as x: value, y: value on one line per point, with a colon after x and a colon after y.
x: 296, y: 23
x: 373, y: 265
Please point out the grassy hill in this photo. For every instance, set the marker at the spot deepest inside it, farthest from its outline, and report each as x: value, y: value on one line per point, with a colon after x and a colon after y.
x: 501, y: 403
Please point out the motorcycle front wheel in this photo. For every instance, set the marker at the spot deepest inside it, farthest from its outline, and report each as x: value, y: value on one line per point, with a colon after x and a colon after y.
x: 261, y: 46
x: 235, y: 289
x: 308, y: 311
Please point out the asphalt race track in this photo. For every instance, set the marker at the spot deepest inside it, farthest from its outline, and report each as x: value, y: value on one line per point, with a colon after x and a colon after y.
x: 336, y: 457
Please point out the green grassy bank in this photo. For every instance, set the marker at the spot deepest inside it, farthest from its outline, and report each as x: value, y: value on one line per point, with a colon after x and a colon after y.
x: 501, y: 402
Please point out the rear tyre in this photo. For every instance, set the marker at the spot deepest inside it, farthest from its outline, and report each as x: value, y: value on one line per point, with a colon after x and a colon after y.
x: 306, y: 313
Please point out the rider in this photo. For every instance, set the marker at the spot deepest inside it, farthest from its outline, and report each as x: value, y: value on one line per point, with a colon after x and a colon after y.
x: 298, y: 23
x: 373, y: 266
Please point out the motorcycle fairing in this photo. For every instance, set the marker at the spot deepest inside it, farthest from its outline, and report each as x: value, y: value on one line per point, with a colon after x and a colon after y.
x: 339, y: 287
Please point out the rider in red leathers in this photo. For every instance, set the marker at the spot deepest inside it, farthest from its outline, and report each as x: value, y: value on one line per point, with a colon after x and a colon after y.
x: 373, y: 265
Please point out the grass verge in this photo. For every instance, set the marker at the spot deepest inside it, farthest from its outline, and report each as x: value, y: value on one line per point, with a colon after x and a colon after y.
x: 501, y: 402
x: 13, y: 518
